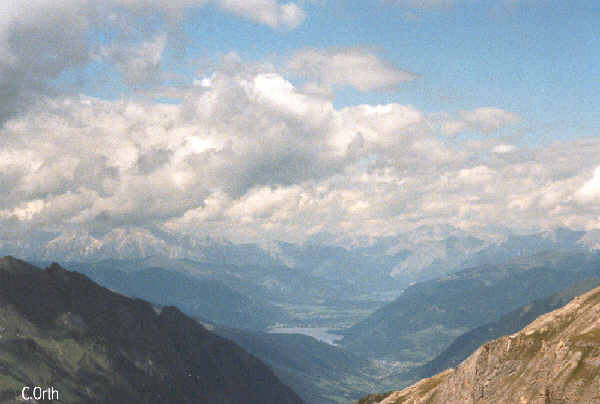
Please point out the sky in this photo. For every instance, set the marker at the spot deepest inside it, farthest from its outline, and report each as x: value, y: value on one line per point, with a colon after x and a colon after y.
x: 272, y: 120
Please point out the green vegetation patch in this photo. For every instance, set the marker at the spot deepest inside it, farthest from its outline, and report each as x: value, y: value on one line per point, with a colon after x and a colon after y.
x: 373, y: 398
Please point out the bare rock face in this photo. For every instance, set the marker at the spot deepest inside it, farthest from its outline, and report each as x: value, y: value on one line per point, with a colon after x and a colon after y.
x: 554, y: 360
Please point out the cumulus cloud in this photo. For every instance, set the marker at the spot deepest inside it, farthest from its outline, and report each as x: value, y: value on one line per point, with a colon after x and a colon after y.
x: 241, y: 132
x: 590, y: 190
x: 249, y: 156
x: 484, y: 119
x: 139, y: 63
x: 36, y: 45
x: 358, y: 68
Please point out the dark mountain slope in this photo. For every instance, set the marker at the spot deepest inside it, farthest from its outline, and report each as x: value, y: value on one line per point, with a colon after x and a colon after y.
x: 60, y: 329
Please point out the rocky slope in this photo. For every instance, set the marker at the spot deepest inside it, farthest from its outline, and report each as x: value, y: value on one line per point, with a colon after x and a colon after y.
x: 509, y: 323
x: 60, y: 329
x: 556, y: 359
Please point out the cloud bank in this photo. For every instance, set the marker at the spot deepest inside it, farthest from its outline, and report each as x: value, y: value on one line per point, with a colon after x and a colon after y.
x: 247, y: 156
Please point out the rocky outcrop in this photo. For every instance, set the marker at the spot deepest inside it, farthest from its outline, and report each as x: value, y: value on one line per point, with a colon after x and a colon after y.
x: 554, y: 360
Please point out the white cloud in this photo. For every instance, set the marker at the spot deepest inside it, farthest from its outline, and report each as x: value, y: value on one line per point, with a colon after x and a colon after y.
x: 504, y: 148
x: 268, y: 12
x: 281, y: 94
x: 590, y: 190
x: 475, y: 175
x: 423, y: 4
x: 381, y: 126
x: 358, y: 68
x: 140, y: 63
x: 484, y: 119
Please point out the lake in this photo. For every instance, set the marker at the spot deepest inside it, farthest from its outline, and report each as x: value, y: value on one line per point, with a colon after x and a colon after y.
x: 319, y: 333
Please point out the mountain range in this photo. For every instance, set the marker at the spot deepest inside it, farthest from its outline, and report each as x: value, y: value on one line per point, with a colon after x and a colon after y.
x: 242, y: 289
x: 320, y: 373
x: 261, y: 296
x: 371, y: 264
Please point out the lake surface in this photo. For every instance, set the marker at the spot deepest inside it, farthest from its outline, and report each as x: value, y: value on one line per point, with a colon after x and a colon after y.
x: 319, y: 333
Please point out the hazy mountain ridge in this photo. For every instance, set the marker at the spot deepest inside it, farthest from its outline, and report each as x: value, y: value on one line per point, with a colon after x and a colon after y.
x: 509, y: 323
x: 262, y: 283
x: 428, y: 316
x: 553, y: 360
x: 372, y: 264
x: 209, y: 299
x: 61, y: 329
